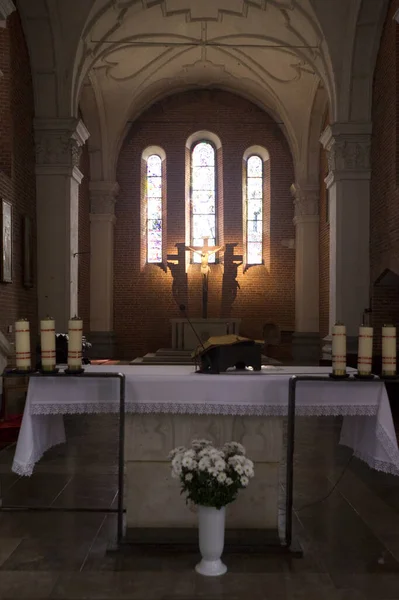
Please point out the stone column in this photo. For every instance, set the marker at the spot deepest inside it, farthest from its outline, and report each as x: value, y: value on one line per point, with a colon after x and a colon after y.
x: 102, y: 224
x: 306, y: 341
x: 348, y: 184
x: 58, y: 146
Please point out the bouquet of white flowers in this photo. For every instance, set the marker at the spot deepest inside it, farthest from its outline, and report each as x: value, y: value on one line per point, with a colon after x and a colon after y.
x: 211, y: 476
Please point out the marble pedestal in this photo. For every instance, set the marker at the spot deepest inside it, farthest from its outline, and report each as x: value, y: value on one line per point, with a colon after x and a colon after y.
x: 153, y: 498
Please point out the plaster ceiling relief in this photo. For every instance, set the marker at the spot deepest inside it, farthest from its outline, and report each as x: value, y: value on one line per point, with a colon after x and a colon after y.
x: 269, y: 51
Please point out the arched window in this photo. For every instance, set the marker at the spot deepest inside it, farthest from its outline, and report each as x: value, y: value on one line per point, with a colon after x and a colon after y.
x: 154, y: 208
x: 254, y: 212
x: 203, y: 196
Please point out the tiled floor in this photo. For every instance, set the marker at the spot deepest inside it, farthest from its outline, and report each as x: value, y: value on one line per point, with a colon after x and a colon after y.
x: 351, y: 540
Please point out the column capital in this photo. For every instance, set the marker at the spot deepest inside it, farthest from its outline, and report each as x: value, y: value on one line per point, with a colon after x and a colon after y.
x: 103, y: 197
x: 58, y: 143
x: 6, y: 8
x: 306, y: 202
x: 348, y: 151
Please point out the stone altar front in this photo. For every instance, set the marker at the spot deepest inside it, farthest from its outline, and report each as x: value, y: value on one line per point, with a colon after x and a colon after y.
x: 183, y: 337
x: 153, y: 497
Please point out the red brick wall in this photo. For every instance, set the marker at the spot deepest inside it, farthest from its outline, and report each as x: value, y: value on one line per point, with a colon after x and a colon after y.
x: 324, y: 245
x: 144, y: 298
x: 84, y: 240
x: 17, y: 169
x: 384, y: 210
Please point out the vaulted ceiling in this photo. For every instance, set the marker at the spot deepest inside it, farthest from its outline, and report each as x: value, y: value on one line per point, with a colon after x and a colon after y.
x: 115, y: 58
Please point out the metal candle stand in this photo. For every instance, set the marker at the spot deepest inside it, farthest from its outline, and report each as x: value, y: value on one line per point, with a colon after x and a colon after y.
x: 121, y: 449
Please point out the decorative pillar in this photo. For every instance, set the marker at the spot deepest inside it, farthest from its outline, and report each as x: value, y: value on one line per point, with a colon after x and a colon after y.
x: 306, y: 340
x: 58, y: 147
x: 348, y: 184
x: 6, y: 8
x: 102, y: 225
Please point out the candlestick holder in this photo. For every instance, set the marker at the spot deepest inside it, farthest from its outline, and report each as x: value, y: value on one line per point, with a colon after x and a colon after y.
x: 339, y: 375
x: 53, y: 371
x: 365, y: 376
x: 15, y: 371
x: 72, y: 371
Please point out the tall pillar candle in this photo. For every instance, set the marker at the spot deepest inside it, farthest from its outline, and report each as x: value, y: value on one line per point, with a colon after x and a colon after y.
x: 22, y: 345
x: 339, y: 349
x: 75, y: 329
x: 47, y: 344
x: 389, y: 350
x: 365, y: 350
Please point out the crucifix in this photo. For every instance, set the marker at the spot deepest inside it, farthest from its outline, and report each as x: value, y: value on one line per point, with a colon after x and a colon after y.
x: 205, y: 252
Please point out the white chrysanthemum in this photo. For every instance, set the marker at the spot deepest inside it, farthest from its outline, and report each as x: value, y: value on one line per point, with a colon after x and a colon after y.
x: 235, y: 447
x: 220, y: 465
x: 232, y: 461
x: 204, y: 463
x: 203, y: 452
x: 244, y: 481
x: 197, y: 444
x: 222, y: 477
x: 188, y: 476
x: 239, y: 469
x: 187, y: 461
x: 249, y: 472
x: 190, y: 453
x: 229, y: 481
x: 213, y: 471
x: 176, y: 451
x: 177, y: 469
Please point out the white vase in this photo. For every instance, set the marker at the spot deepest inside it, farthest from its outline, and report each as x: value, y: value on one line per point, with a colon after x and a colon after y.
x: 211, y: 540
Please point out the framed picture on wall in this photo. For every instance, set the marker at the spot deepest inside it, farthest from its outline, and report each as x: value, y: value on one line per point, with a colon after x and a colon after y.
x: 6, y: 241
x: 27, y: 252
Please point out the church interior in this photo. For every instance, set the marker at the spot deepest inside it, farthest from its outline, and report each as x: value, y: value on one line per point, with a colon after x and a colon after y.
x: 174, y: 172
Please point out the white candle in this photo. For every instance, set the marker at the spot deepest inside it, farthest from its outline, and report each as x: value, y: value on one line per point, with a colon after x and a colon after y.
x: 389, y: 350
x: 22, y: 345
x: 47, y: 344
x: 339, y: 349
x: 365, y: 350
x: 75, y: 329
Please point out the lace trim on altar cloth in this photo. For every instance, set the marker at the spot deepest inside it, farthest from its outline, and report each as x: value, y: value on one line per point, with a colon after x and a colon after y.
x: 391, y: 467
x: 26, y: 469
x: 190, y: 408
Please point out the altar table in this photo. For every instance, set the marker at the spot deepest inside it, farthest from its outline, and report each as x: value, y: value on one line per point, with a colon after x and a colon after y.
x: 167, y: 406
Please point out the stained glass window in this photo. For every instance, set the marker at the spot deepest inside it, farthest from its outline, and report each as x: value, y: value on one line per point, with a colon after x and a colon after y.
x: 154, y: 209
x: 203, y: 197
x: 254, y: 210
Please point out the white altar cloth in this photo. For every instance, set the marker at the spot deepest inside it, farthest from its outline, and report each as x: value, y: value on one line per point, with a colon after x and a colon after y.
x: 367, y: 428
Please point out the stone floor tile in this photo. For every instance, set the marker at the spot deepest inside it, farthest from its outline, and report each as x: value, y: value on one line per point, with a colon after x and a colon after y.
x: 29, y: 585
x: 7, y: 547
x: 123, y: 586
x: 47, y: 555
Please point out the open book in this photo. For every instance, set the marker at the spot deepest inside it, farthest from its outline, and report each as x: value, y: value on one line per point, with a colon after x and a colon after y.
x: 224, y: 340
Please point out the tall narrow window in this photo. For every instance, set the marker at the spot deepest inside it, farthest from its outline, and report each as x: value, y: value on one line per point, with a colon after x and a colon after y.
x: 154, y: 209
x: 254, y: 211
x: 203, y: 196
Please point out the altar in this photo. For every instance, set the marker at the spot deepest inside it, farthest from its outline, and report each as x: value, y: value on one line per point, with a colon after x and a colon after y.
x: 169, y: 406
